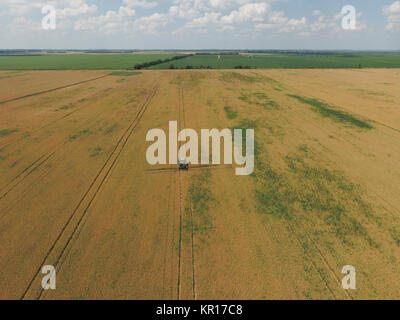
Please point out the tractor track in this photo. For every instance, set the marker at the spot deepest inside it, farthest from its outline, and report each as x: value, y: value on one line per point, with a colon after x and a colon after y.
x: 51, y: 90
x: 324, y: 259
x: 179, y: 184
x: 93, y: 190
x: 22, y: 172
x: 173, y: 251
x: 50, y: 123
x: 183, y: 177
x: 22, y: 176
x: 193, y: 256
x: 15, y: 141
x: 191, y: 213
x: 292, y: 230
x: 22, y: 194
x: 388, y: 203
x: 167, y: 233
x: 28, y: 171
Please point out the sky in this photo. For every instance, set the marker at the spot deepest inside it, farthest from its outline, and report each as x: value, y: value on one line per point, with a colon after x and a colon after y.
x: 200, y: 24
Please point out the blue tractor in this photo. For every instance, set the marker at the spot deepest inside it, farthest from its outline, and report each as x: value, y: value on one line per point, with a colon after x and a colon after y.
x: 183, y: 164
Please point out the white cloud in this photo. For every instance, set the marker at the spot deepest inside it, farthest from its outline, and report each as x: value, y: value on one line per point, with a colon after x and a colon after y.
x: 394, y: 8
x: 110, y: 20
x: 316, y: 13
x: 17, y: 7
x: 20, y: 25
x: 278, y: 21
x: 249, y: 18
x: 183, y: 11
x: 121, y: 20
x: 323, y: 23
x: 65, y: 7
x: 140, y: 3
x: 247, y: 12
x: 76, y: 8
x: 334, y: 23
x: 392, y: 14
x: 151, y: 24
x: 206, y: 20
x: 126, y: 12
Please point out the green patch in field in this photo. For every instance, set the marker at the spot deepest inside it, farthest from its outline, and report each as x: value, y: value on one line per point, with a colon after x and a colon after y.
x: 6, y: 132
x: 259, y: 99
x: 244, y: 98
x: 12, y: 165
x: 66, y: 107
x: 236, y: 76
x: 177, y: 80
x: 260, y: 95
x: 327, y: 110
x: 95, y: 152
x: 303, y: 189
x: 328, y: 194
x: 246, y: 124
x: 200, y: 201
x: 395, y: 236
x: 230, y: 113
x: 79, y: 134
x: 273, y: 194
x: 111, y: 129
x: 276, y: 84
x: 124, y: 74
x: 195, y: 79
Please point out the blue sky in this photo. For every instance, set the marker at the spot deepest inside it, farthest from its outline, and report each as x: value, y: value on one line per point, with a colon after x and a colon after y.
x: 200, y: 24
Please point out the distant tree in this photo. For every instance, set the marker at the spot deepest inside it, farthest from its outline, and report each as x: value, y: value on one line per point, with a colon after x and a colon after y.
x: 172, y: 66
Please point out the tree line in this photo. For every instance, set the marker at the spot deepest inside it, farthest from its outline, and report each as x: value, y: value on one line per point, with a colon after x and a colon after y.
x: 148, y: 64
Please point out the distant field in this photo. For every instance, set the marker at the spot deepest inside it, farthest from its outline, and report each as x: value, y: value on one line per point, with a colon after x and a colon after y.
x: 287, y: 61
x: 78, y: 61
x: 254, y: 61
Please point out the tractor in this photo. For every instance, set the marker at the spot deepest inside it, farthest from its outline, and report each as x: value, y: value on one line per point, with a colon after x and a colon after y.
x: 183, y: 164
